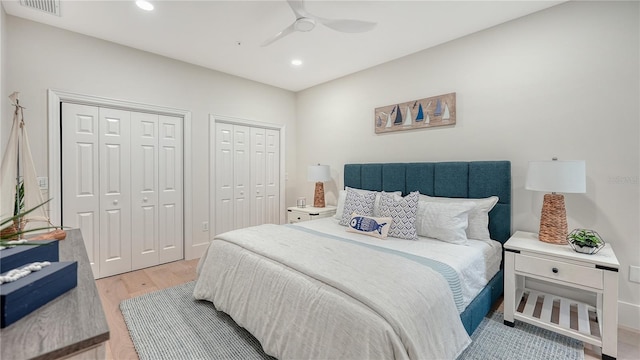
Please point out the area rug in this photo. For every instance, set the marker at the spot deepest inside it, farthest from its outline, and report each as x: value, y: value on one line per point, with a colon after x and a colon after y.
x: 170, y: 324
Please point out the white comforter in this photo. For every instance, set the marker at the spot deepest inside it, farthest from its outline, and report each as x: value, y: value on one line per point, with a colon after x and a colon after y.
x: 305, y: 296
x: 476, y: 263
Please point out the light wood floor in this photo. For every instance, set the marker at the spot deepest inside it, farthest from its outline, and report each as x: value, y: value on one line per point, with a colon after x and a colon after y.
x: 114, y: 289
x: 117, y: 288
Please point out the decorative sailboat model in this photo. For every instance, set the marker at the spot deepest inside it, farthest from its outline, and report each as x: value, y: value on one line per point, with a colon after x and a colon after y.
x: 21, y: 202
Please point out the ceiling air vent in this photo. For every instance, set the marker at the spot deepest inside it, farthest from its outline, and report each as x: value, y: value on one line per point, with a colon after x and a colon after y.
x: 49, y: 6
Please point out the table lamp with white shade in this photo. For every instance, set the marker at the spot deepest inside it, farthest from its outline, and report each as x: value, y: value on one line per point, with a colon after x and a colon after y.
x: 319, y: 174
x: 555, y: 176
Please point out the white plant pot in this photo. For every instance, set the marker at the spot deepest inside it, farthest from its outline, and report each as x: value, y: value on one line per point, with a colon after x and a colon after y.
x: 584, y: 249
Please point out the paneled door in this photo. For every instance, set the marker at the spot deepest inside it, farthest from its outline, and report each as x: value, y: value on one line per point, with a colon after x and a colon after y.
x: 144, y: 185
x: 265, y: 176
x: 224, y: 213
x: 232, y: 177
x: 81, y: 205
x: 115, y: 191
x: 156, y: 166
x: 272, y: 176
x: 258, y: 168
x: 122, y: 176
x: 247, y: 176
x: 170, y: 185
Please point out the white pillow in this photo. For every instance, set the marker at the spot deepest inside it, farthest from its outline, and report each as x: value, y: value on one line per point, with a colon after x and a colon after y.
x: 444, y: 221
x: 342, y: 195
x: 371, y: 226
x: 403, y: 212
x: 358, y: 203
x: 478, y: 217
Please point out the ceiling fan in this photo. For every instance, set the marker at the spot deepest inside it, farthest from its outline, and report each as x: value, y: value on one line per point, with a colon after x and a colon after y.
x: 306, y: 21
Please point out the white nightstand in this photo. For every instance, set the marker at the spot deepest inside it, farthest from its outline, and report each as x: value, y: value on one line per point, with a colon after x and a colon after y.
x: 542, y: 281
x: 296, y: 214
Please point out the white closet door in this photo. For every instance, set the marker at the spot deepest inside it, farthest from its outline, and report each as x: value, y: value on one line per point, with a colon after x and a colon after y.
x: 81, y: 185
x: 258, y: 156
x: 144, y: 190
x: 272, y: 177
x: 247, y: 176
x: 170, y: 185
x: 224, y: 178
x: 241, y: 176
x: 115, y: 188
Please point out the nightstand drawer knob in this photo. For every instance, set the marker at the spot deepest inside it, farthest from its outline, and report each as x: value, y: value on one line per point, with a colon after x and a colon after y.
x: 555, y: 270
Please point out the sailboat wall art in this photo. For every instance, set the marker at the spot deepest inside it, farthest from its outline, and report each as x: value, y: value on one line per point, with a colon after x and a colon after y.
x: 416, y: 114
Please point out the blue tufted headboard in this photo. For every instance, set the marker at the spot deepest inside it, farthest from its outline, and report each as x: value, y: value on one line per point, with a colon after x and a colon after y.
x: 474, y: 179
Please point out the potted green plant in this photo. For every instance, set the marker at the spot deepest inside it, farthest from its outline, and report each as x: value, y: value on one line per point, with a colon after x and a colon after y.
x: 9, y: 233
x: 585, y: 241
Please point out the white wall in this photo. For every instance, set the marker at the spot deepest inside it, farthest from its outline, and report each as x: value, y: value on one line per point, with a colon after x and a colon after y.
x: 44, y: 57
x: 4, y: 103
x: 562, y: 82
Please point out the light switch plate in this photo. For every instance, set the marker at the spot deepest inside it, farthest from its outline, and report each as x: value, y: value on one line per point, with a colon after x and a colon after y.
x: 43, y: 182
x: 634, y: 273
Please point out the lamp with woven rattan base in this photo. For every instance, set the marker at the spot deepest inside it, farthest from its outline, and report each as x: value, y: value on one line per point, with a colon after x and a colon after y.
x: 319, y: 174
x: 553, y: 220
x: 555, y: 176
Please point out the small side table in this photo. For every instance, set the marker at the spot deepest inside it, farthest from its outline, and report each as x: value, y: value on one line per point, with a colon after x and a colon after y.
x: 561, y: 271
x: 296, y: 214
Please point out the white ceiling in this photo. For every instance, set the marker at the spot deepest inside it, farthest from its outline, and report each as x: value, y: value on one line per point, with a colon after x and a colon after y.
x: 226, y: 35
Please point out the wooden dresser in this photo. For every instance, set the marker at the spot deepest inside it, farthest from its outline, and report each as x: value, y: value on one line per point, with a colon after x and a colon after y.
x: 72, y: 325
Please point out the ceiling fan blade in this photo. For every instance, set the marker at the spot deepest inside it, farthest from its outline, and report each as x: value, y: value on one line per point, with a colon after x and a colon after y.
x: 348, y: 26
x: 279, y: 35
x: 298, y: 8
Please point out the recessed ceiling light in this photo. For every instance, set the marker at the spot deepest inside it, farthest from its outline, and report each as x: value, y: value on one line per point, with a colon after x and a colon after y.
x: 296, y: 62
x: 144, y: 5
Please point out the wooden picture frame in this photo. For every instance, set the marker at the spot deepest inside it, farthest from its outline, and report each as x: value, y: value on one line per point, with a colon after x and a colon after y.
x: 416, y: 114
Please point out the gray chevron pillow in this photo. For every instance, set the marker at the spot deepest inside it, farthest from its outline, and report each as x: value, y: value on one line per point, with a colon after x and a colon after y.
x: 361, y: 203
x: 403, y: 212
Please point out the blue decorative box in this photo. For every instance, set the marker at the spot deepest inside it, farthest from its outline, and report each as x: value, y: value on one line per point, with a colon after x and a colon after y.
x: 20, y: 255
x: 21, y: 297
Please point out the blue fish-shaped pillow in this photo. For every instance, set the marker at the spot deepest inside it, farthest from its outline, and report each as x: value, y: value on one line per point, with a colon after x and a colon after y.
x: 367, y: 225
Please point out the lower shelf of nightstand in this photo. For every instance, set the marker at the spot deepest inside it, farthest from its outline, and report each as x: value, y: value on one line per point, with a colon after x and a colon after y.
x: 562, y: 315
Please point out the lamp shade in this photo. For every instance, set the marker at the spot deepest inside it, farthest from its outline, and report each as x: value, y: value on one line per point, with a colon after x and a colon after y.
x: 318, y: 173
x: 557, y: 176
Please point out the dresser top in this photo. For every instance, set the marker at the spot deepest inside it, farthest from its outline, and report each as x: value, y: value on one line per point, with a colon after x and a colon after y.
x: 72, y: 322
x: 529, y: 243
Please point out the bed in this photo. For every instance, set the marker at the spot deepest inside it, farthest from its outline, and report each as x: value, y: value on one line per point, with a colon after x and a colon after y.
x: 316, y: 291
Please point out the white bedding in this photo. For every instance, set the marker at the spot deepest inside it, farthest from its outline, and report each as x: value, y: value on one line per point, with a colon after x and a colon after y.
x: 475, y: 263
x: 308, y: 296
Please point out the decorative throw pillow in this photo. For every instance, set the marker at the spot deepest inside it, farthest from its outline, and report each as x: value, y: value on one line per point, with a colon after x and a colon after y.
x: 358, y: 203
x: 371, y: 226
x: 403, y: 212
x: 478, y: 217
x: 342, y: 195
x: 443, y: 220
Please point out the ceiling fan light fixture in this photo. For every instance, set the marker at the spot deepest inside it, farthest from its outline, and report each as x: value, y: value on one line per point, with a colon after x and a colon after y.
x: 304, y: 24
x: 144, y: 5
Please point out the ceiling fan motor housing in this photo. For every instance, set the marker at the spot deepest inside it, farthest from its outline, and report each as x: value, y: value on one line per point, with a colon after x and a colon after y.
x: 304, y: 24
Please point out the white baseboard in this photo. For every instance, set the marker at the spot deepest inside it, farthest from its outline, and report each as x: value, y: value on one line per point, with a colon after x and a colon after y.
x: 629, y: 315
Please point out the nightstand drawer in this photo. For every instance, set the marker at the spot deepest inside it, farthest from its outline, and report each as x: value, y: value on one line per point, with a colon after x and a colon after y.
x: 561, y: 271
x: 297, y: 216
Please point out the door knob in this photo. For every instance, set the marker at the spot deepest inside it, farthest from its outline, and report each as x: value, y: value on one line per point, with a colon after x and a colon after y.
x: 115, y: 202
x: 145, y: 199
